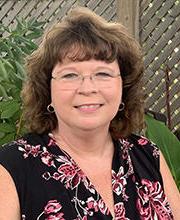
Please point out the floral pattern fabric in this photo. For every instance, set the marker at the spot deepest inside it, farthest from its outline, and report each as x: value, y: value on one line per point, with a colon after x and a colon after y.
x: 55, y: 188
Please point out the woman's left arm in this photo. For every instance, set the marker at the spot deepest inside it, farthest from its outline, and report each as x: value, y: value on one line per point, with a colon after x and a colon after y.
x: 170, y: 188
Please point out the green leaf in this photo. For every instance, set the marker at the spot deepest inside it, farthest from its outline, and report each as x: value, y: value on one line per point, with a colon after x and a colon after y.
x: 2, y: 135
x: 3, y: 70
x: 10, y: 111
x: 16, y: 49
x: 3, y: 92
x: 168, y: 143
x: 20, y: 70
x: 4, y: 28
x: 7, y: 128
x: 34, y: 23
x: 7, y: 65
x: 5, y: 47
x: 34, y: 35
x: 7, y: 138
x: 6, y: 104
x: 19, y: 26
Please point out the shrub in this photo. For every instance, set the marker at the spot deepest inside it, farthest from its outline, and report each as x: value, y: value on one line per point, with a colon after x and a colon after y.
x: 15, y: 45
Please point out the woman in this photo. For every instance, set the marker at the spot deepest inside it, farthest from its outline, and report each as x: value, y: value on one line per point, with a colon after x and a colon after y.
x: 83, y: 104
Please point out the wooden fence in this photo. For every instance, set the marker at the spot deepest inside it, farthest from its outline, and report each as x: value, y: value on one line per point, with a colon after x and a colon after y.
x: 155, y: 23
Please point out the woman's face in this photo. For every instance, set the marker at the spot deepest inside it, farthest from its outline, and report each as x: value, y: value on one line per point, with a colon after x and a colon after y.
x: 86, y: 103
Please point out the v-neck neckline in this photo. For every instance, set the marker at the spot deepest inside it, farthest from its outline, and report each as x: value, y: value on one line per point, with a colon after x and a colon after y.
x: 58, y: 150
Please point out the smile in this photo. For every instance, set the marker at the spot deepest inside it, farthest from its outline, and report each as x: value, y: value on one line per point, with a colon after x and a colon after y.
x: 88, y: 107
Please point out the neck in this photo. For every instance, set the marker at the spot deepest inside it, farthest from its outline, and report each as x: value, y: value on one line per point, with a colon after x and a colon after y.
x: 86, y: 144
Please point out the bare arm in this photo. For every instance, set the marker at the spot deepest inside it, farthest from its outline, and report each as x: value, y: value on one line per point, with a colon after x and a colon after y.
x: 9, y: 202
x: 170, y: 188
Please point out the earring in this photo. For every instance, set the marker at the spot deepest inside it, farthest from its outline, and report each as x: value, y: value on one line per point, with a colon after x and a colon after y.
x: 121, y: 106
x: 50, y: 108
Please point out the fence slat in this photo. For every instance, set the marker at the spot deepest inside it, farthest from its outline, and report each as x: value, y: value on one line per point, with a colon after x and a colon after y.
x: 156, y: 50
x: 157, y: 34
x: 156, y: 6
x: 6, y: 8
x: 93, y: 4
x: 153, y: 22
x: 103, y: 6
x: 144, y: 5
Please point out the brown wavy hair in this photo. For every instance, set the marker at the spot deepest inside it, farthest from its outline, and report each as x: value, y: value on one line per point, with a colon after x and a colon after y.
x: 83, y: 35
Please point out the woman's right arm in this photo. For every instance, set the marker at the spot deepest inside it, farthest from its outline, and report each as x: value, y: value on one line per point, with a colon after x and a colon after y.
x: 9, y: 202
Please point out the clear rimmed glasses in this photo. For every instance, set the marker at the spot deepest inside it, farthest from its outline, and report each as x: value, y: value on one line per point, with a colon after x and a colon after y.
x: 72, y: 81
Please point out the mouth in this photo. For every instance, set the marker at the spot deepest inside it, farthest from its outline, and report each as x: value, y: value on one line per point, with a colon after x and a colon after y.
x: 88, y: 107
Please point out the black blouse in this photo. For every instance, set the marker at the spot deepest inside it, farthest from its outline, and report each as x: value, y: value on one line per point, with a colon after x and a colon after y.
x: 51, y: 186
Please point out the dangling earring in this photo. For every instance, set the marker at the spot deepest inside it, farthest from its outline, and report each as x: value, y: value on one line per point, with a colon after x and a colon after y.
x: 50, y: 108
x: 121, y: 106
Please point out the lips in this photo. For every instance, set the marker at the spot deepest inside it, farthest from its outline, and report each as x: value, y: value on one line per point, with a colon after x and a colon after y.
x: 88, y: 107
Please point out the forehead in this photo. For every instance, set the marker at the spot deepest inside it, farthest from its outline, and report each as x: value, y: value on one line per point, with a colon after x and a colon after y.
x: 87, y: 65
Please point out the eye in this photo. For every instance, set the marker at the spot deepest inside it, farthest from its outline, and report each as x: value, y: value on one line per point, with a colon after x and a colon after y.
x: 70, y: 76
x: 103, y: 75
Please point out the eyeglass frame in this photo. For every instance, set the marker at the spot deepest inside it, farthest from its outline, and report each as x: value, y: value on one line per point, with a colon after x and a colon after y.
x: 82, y: 77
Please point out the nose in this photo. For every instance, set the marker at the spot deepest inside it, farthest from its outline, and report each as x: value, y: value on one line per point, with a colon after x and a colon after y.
x: 87, y: 85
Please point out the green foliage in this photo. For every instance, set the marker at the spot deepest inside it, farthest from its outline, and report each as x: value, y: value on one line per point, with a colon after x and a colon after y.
x: 15, y: 45
x: 168, y: 143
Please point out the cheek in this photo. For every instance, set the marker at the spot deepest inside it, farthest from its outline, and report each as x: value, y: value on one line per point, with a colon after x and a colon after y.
x: 116, y: 93
x: 61, y: 99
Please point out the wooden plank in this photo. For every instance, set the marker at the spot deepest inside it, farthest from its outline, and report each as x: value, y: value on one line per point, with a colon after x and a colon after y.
x: 155, y: 20
x: 166, y: 52
x: 128, y: 15
x: 147, y: 75
x: 157, y: 51
x: 175, y: 59
x: 172, y: 92
x: 156, y: 5
x: 83, y: 2
x: 103, y: 6
x: 114, y: 18
x: 2, y: 2
x: 157, y: 34
x: 110, y: 12
x: 144, y: 4
x: 27, y: 9
x: 161, y: 89
x: 10, y: 19
x: 176, y: 104
x: 93, y: 4
x: 40, y: 9
x: 174, y: 75
x: 154, y: 82
x: 6, y: 9
x: 176, y: 120
x: 156, y: 94
x: 50, y: 10
x: 65, y: 7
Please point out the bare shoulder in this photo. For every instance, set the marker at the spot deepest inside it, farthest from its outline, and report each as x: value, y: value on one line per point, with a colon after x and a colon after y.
x: 170, y: 188
x: 9, y: 203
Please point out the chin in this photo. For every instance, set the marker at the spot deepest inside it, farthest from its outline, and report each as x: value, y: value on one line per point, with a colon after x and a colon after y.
x: 90, y: 125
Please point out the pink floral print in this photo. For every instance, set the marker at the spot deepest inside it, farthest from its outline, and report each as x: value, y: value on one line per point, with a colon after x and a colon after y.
x: 29, y: 149
x: 52, y: 207
x: 149, y: 199
x: 71, y: 173
x: 119, y: 183
x: 52, y: 211
x: 96, y: 206
x: 120, y: 211
x: 142, y: 141
x: 152, y: 203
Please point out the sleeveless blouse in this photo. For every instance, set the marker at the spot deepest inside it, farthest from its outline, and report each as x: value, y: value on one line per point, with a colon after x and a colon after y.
x: 51, y: 186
